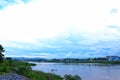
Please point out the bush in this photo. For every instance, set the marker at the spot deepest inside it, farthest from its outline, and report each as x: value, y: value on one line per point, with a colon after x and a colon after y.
x: 4, y: 68
x: 70, y: 77
x: 22, y: 70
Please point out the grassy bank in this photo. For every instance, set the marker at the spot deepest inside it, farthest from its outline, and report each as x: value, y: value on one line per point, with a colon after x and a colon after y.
x: 23, y: 68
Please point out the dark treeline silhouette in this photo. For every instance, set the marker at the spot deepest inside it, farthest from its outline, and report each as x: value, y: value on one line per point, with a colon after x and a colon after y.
x: 1, y: 55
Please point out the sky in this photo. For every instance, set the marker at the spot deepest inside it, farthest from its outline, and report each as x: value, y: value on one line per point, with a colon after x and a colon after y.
x: 60, y: 28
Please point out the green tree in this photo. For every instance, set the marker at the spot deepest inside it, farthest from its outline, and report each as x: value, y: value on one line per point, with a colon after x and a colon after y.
x: 1, y: 55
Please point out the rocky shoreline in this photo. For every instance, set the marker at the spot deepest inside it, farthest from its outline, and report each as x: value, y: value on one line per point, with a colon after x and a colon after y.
x: 13, y: 76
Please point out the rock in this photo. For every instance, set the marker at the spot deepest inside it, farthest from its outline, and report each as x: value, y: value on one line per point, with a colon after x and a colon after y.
x: 13, y: 76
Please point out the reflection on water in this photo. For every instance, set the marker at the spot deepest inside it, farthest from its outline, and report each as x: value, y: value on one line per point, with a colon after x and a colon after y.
x: 86, y: 71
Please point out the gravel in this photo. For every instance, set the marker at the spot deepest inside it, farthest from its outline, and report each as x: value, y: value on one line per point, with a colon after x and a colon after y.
x: 13, y: 76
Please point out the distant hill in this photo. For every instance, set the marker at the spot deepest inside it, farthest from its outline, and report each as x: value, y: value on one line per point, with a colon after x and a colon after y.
x: 28, y: 59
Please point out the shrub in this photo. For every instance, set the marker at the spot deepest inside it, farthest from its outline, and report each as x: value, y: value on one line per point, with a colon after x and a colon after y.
x: 4, y: 68
x: 22, y: 70
x: 70, y: 77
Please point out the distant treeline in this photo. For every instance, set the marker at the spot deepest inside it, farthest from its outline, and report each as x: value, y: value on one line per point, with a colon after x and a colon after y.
x: 75, y: 60
x: 62, y: 60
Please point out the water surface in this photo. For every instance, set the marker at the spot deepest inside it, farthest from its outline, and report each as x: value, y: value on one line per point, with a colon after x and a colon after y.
x: 86, y: 71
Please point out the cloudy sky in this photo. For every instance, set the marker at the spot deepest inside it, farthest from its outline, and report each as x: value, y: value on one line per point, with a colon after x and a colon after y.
x: 60, y: 28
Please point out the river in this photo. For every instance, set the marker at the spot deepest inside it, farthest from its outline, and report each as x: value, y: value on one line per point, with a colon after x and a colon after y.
x: 86, y: 71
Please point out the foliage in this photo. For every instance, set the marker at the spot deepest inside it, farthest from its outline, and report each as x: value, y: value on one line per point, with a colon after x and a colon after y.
x: 51, y: 76
x: 70, y: 77
x: 1, y: 55
x: 4, y: 68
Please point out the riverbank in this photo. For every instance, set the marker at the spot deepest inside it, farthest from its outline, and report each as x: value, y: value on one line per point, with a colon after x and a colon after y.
x: 96, y: 62
x: 12, y: 70
x: 77, y: 60
x: 100, y: 62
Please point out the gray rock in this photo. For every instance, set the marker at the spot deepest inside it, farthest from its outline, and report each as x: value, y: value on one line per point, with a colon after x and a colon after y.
x: 13, y: 76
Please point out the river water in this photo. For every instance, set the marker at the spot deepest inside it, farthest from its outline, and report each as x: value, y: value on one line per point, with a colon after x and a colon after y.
x: 85, y: 71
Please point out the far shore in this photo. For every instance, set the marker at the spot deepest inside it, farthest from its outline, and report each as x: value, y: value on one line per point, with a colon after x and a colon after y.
x: 100, y: 62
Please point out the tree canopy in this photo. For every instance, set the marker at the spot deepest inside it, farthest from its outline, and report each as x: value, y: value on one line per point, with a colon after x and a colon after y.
x: 1, y: 55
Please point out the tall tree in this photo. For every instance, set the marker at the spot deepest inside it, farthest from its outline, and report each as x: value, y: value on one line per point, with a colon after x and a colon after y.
x: 1, y: 55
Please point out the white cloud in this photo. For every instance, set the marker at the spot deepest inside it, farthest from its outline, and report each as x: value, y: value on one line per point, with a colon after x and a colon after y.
x: 45, y: 18
x: 48, y: 19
